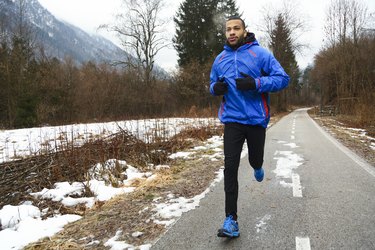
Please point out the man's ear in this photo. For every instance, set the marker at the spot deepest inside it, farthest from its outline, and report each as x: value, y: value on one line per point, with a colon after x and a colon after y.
x: 245, y: 34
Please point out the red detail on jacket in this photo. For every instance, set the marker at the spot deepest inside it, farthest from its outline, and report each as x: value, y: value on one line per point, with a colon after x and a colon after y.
x: 265, y: 105
x: 252, y: 53
x: 222, y: 57
x: 258, y: 85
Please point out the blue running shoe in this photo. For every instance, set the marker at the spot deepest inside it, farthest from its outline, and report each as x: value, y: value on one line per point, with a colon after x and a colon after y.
x: 259, y: 174
x: 230, y: 228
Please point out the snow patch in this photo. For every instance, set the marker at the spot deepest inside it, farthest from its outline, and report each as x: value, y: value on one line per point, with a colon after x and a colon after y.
x: 167, y: 212
x: 261, y: 226
x: 287, y: 162
x: 184, y: 155
x: 22, y: 225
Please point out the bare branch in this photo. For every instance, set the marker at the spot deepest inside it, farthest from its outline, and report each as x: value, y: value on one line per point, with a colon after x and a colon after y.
x: 140, y: 30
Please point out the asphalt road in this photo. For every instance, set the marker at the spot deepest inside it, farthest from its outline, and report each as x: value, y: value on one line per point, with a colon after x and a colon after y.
x: 316, y: 195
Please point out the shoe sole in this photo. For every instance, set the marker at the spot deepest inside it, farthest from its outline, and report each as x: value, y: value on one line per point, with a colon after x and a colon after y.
x: 222, y: 233
x: 259, y: 180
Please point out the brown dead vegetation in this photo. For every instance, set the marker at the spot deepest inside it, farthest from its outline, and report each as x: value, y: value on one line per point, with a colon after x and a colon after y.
x: 21, y: 177
x: 133, y: 212
x: 338, y: 126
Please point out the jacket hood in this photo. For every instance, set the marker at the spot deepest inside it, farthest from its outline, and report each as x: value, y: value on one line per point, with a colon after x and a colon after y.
x: 250, y: 37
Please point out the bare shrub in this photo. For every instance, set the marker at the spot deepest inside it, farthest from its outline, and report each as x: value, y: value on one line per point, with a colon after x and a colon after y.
x: 19, y: 178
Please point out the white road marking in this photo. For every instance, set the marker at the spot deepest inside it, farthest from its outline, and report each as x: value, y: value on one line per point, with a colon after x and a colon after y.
x: 292, y: 137
x: 303, y: 243
x: 363, y: 164
x: 297, y: 188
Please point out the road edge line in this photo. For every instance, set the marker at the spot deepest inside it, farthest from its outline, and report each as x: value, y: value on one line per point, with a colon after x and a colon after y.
x: 363, y: 164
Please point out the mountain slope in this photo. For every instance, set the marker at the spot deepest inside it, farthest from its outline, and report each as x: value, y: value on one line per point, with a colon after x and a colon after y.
x: 58, y: 38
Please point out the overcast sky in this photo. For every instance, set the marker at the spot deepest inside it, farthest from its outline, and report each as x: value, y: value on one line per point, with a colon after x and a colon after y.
x: 89, y: 14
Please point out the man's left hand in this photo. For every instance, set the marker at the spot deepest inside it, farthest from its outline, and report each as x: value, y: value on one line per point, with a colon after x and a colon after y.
x: 246, y: 83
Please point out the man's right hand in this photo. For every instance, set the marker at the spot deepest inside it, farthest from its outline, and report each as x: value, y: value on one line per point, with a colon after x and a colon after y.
x: 220, y: 88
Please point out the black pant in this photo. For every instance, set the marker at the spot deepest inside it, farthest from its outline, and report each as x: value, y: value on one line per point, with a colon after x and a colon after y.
x: 234, y: 138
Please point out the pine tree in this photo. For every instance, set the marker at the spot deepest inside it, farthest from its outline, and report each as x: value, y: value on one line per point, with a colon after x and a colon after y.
x: 225, y: 9
x: 199, y: 29
x: 282, y: 47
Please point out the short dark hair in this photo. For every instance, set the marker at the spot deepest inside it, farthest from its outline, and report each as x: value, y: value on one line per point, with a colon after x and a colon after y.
x: 237, y: 18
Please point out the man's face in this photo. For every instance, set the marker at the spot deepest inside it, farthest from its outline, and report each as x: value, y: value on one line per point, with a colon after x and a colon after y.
x: 234, y: 32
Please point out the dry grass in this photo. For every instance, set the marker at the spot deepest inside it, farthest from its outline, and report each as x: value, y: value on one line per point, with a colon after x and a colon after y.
x: 338, y: 125
x: 32, y: 174
x: 133, y: 212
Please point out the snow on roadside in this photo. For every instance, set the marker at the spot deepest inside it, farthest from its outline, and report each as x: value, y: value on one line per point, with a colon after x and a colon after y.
x: 174, y: 207
x: 18, y: 143
x: 167, y: 213
x: 23, y: 224
x: 24, y: 221
x: 358, y: 134
x: 119, y: 245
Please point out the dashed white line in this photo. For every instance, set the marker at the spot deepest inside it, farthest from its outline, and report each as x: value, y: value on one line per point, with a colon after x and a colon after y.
x: 303, y: 243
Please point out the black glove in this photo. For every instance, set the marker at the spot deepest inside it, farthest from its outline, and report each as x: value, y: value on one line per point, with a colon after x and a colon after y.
x: 246, y: 83
x: 220, y: 88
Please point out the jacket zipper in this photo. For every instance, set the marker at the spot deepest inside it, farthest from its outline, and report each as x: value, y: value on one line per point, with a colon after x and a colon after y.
x: 261, y: 107
x: 242, y: 96
x: 236, y: 68
x: 235, y: 63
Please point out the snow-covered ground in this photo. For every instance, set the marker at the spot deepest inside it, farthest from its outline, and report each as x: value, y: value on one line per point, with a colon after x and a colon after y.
x: 358, y: 134
x: 23, y: 224
x: 18, y: 143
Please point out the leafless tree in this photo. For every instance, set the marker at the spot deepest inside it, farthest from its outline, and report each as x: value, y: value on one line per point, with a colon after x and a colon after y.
x: 140, y: 29
x: 344, y: 20
x: 344, y: 66
x: 295, y: 22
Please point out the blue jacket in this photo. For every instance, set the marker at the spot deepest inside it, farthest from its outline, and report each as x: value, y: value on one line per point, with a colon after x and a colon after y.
x: 247, y: 107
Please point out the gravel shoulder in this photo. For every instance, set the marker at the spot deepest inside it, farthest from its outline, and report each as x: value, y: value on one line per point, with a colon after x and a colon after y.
x: 355, y: 138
